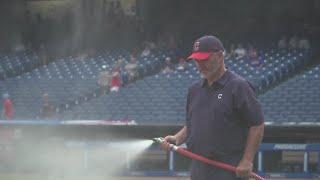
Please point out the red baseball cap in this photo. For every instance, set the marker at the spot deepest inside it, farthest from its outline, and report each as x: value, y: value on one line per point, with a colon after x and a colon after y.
x: 204, y: 46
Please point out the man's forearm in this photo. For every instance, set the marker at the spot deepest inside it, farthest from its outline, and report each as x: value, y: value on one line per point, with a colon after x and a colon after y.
x: 181, y: 135
x: 254, y: 139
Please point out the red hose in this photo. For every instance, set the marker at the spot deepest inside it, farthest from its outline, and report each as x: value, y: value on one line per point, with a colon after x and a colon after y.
x: 221, y: 165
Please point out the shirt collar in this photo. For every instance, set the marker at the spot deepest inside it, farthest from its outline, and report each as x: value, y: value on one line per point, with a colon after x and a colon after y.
x: 221, y: 82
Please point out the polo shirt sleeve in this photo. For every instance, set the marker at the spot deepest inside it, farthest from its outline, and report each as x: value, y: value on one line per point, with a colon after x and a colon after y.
x: 247, y: 105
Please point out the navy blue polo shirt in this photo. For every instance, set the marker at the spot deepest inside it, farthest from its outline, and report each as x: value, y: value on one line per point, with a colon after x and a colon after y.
x: 219, y: 116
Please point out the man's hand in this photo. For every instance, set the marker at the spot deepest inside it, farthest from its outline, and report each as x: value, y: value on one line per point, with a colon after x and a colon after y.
x: 167, y: 141
x: 177, y: 139
x: 244, y: 169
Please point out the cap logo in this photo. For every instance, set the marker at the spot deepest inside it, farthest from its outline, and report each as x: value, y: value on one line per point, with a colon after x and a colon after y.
x: 196, y: 46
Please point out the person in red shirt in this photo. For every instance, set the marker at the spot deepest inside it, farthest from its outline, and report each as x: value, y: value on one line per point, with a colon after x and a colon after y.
x: 7, y: 112
x: 116, y: 79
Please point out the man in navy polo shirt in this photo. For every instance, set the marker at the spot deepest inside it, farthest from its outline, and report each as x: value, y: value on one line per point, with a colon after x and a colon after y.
x: 224, y: 120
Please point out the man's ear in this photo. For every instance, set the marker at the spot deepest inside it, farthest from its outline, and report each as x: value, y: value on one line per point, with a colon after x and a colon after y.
x: 220, y: 54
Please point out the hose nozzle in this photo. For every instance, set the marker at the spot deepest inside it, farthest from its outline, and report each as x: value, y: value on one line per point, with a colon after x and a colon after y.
x: 161, y: 140
x: 158, y: 140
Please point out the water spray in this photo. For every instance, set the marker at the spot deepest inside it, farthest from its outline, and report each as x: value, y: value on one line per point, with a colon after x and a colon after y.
x: 194, y: 156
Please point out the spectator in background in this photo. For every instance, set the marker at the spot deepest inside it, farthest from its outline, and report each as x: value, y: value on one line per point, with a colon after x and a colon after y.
x: 231, y: 53
x: 252, y: 53
x: 240, y: 52
x: 120, y: 61
x: 168, y: 66
x: 46, y: 111
x: 259, y: 63
x: 146, y: 52
x: 182, y: 65
x: 104, y: 80
x: 293, y: 42
x: 131, y: 68
x: 152, y: 46
x: 134, y: 52
x: 7, y: 112
x: 19, y: 48
x: 115, y: 79
x: 254, y: 59
x: 282, y: 44
x: 304, y: 43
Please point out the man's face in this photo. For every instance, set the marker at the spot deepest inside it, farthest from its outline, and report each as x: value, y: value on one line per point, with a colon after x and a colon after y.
x: 209, y: 67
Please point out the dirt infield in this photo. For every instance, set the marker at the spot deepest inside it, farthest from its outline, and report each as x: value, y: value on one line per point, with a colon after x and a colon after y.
x: 42, y: 177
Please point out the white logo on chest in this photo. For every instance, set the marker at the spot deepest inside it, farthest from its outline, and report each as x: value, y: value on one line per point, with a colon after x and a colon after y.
x: 219, y: 96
